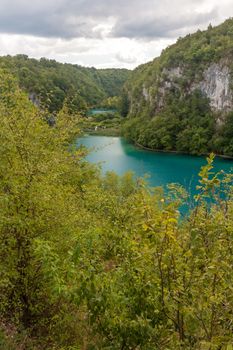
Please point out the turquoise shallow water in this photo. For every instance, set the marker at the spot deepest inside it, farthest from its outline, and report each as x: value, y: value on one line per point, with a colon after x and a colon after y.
x: 114, y: 153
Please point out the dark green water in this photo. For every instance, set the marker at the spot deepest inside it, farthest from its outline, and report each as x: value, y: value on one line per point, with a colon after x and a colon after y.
x: 114, y: 153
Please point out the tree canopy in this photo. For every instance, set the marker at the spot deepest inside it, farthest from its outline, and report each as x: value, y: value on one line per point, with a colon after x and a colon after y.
x: 50, y: 83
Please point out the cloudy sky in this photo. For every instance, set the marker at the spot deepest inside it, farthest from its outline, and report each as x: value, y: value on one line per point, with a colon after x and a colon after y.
x: 102, y: 33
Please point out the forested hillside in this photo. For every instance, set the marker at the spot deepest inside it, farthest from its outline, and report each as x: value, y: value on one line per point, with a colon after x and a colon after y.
x: 183, y: 100
x: 50, y: 84
x: 90, y: 262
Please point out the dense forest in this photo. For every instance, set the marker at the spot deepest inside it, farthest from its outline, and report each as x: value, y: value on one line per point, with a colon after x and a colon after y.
x: 91, y: 262
x: 51, y: 84
x: 183, y: 100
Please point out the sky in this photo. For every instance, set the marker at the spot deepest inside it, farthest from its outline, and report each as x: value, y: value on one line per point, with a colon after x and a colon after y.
x: 103, y: 33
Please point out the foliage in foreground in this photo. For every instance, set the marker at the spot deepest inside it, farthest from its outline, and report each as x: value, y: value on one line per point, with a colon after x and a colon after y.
x: 102, y: 263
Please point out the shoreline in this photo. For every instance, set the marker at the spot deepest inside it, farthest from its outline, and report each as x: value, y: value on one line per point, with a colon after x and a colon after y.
x: 103, y: 132
x: 180, y: 152
x: 138, y: 145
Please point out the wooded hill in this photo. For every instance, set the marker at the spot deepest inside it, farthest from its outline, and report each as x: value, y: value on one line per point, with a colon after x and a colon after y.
x: 49, y: 83
x: 183, y: 100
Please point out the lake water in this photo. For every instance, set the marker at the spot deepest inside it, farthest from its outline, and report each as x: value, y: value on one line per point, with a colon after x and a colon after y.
x: 95, y: 111
x: 114, y: 153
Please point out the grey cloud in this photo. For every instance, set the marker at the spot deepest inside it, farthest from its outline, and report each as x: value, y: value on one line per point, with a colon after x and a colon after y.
x: 162, y: 27
x: 69, y: 19
x: 56, y: 25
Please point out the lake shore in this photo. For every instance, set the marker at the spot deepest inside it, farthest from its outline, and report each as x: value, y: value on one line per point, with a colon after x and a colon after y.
x: 179, y: 152
x: 113, y: 132
x: 104, y: 132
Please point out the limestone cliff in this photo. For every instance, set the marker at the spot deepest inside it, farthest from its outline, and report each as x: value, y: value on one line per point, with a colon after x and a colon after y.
x: 216, y: 86
x: 191, y: 80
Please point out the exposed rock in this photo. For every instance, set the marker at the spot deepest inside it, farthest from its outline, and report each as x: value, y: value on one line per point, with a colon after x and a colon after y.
x: 216, y: 86
x: 145, y: 93
x: 34, y: 99
x: 168, y: 80
x: 172, y: 73
x: 214, y: 83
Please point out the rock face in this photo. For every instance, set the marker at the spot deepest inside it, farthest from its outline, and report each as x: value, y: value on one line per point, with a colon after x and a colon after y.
x: 166, y: 82
x: 34, y: 99
x: 216, y: 86
x: 145, y: 93
x: 171, y: 75
x: 174, y: 72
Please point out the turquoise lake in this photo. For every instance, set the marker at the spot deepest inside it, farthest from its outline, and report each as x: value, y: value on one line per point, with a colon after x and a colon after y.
x: 95, y: 111
x: 114, y: 153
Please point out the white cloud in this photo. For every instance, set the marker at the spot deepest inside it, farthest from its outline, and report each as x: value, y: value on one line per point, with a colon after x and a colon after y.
x: 102, y: 33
